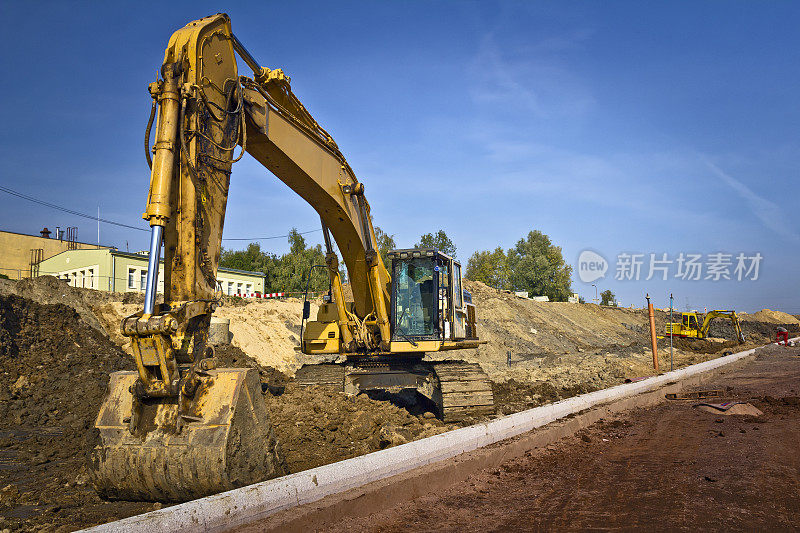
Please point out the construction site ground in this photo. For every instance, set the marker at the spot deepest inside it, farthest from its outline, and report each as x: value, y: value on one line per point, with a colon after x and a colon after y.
x: 664, y: 468
x: 58, y: 344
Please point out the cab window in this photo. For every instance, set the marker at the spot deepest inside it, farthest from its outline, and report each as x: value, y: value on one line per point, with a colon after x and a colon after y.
x: 414, y: 299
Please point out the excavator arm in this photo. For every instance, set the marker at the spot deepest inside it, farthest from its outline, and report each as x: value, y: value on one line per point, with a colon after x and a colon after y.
x: 711, y: 315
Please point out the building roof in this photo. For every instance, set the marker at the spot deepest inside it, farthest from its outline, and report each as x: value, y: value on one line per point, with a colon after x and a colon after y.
x: 55, y: 239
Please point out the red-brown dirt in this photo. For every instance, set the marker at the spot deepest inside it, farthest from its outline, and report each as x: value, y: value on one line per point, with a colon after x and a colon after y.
x: 670, y: 467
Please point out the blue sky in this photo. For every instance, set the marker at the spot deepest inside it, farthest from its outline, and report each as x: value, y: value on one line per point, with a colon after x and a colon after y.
x: 620, y: 127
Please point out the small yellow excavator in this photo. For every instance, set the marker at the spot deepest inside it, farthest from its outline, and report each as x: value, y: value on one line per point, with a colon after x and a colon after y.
x: 179, y: 427
x: 688, y: 326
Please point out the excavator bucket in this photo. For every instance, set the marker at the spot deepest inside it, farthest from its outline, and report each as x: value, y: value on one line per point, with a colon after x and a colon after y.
x: 225, y: 442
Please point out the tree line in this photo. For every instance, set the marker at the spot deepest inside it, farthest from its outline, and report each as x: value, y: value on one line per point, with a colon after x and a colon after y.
x: 285, y: 273
x: 289, y: 272
x: 534, y: 264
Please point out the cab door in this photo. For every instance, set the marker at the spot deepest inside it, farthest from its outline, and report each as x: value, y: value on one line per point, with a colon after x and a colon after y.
x: 460, y: 311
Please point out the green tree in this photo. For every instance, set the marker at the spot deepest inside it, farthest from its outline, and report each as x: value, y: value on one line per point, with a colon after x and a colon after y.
x: 251, y: 258
x: 385, y: 243
x: 607, y: 298
x: 287, y: 273
x: 438, y: 240
x: 536, y: 265
x: 292, y: 269
x: 488, y: 267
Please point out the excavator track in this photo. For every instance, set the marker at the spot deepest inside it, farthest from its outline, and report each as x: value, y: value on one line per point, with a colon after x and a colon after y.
x: 328, y: 375
x: 466, y: 391
x: 462, y: 391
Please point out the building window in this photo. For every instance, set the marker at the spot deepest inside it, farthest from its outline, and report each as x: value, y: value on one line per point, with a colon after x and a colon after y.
x: 249, y: 288
x: 239, y: 289
x: 230, y: 288
x: 142, y: 279
x: 131, y: 278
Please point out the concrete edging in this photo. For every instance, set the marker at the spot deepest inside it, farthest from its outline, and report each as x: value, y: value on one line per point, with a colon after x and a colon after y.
x: 241, y: 506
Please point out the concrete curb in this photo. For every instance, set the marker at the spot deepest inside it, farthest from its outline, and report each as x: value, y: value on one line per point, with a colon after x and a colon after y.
x: 237, y: 507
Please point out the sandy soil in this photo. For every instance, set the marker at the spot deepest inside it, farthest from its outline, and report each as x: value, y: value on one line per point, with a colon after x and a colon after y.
x: 671, y: 467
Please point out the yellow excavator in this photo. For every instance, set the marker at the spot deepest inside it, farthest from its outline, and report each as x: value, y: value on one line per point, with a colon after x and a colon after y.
x: 179, y: 427
x: 688, y: 326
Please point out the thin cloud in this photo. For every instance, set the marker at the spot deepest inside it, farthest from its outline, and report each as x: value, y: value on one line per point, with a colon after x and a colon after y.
x: 769, y: 213
x: 536, y: 81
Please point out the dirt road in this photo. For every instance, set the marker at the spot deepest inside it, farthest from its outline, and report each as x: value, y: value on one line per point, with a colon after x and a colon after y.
x: 671, y: 467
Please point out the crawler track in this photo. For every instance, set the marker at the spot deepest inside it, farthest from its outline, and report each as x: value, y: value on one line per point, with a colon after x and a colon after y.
x: 328, y: 375
x: 466, y: 391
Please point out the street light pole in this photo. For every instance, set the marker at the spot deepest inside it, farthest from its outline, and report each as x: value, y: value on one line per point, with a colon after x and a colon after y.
x: 596, y: 299
x: 671, y: 332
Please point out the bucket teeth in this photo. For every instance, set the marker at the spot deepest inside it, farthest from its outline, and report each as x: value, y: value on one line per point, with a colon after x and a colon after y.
x: 226, y: 442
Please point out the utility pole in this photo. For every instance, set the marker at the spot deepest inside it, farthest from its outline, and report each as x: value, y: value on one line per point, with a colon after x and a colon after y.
x: 596, y: 299
x: 98, y: 225
x: 653, y: 342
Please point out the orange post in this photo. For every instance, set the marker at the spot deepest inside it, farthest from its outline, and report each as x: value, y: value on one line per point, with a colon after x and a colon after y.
x: 652, y: 316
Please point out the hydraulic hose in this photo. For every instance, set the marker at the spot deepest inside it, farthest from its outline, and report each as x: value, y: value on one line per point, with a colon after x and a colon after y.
x: 147, y: 135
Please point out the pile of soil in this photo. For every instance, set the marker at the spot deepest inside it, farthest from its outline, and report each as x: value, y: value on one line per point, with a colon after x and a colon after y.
x: 760, y: 332
x: 706, y: 346
x: 316, y: 426
x: 230, y: 356
x: 768, y: 315
x: 51, y: 290
x: 54, y: 377
x: 267, y: 330
x: 513, y: 396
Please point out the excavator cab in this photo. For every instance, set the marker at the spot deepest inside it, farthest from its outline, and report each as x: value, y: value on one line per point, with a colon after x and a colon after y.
x: 689, y: 326
x: 427, y: 300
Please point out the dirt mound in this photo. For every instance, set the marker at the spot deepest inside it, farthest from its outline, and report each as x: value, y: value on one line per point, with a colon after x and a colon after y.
x: 268, y: 331
x: 317, y: 426
x: 233, y: 357
x: 51, y: 290
x: 55, y: 375
x: 513, y: 396
x: 768, y: 315
x: 564, y: 344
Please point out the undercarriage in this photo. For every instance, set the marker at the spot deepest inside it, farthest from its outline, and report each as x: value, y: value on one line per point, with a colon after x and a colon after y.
x: 459, y: 391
